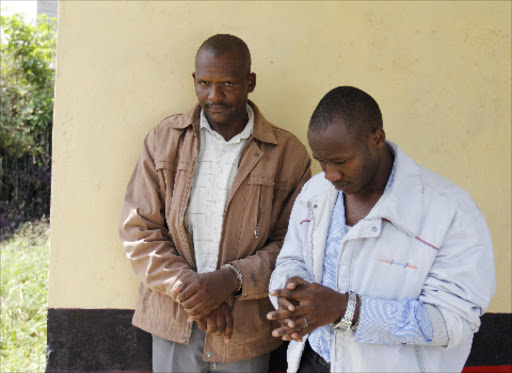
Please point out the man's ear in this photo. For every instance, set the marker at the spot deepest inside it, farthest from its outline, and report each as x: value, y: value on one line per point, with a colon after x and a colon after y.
x: 379, y: 138
x: 252, y: 82
x: 194, y: 76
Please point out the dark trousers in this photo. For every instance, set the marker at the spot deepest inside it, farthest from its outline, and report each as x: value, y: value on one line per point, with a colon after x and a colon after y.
x: 311, y: 362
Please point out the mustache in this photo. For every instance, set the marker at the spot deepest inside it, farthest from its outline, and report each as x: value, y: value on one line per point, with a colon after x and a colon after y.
x: 219, y: 104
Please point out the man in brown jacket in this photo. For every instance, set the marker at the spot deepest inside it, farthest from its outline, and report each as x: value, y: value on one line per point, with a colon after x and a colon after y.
x: 205, y: 214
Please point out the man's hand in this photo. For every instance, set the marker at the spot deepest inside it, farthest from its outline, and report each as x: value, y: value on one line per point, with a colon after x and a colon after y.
x: 218, y: 322
x: 199, y: 295
x: 303, y: 307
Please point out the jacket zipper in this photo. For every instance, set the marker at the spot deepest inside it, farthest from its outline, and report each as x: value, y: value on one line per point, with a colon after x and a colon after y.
x: 184, y: 222
x: 257, y: 230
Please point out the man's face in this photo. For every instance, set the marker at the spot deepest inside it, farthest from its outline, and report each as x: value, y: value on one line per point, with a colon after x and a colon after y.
x: 222, y: 84
x: 349, y: 164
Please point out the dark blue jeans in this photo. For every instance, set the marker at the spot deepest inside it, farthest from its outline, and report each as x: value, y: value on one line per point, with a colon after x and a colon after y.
x: 311, y: 362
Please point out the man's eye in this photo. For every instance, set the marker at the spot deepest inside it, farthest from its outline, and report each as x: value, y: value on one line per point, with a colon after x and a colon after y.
x: 203, y: 83
x: 228, y: 84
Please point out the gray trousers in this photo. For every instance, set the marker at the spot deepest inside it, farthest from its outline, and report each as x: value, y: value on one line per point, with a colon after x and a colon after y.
x: 178, y: 357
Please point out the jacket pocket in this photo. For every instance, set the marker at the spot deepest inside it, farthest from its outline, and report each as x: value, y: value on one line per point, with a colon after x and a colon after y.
x: 171, y: 180
x: 263, y: 186
x: 166, y: 174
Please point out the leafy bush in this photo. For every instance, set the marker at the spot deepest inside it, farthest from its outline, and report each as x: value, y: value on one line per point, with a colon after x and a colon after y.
x: 26, y: 101
x: 27, y: 81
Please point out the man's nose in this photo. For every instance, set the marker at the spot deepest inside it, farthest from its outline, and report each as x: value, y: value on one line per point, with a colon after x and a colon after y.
x: 332, y: 173
x: 216, y: 93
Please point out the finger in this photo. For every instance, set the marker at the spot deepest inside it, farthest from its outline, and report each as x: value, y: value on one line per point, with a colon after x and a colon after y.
x: 211, y: 324
x: 293, y: 337
x: 279, y: 332
x: 297, y: 336
x: 297, y: 323
x: 194, y: 304
x: 283, y: 293
x: 221, y: 323
x: 201, y: 324
x: 187, y: 292
x: 229, y: 325
x: 203, y: 313
x: 272, y: 315
x: 289, y: 323
x: 287, y: 337
x: 282, y: 331
x: 285, y: 303
x: 294, y: 282
x: 176, y: 290
x: 280, y: 315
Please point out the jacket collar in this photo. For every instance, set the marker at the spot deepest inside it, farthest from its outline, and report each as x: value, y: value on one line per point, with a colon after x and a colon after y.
x: 401, y: 203
x: 263, y: 130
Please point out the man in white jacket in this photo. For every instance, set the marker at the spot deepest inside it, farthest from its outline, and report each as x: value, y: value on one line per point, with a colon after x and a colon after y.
x: 386, y: 265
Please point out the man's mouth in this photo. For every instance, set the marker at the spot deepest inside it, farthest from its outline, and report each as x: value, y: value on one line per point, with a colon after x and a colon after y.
x: 340, y: 186
x: 217, y: 108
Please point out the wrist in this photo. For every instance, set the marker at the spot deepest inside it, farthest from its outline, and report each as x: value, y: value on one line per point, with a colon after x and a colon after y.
x: 348, y: 321
x: 235, y: 277
x: 340, y: 309
x: 231, y: 279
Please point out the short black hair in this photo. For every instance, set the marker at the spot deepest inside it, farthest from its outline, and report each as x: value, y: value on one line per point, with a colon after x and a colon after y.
x: 351, y: 106
x: 221, y: 44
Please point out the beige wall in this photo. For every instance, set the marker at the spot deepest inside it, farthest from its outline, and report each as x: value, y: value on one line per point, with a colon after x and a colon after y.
x: 441, y: 72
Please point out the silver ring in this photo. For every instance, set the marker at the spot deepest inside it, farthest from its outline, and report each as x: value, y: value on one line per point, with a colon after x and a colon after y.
x: 305, y: 322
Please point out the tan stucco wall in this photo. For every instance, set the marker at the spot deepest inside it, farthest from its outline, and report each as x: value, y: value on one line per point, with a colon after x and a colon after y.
x: 441, y: 72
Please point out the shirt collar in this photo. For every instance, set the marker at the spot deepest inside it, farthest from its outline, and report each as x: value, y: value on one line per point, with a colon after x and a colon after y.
x: 245, y: 134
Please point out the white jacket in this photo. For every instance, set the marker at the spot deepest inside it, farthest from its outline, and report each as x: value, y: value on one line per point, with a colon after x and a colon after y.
x: 421, y: 220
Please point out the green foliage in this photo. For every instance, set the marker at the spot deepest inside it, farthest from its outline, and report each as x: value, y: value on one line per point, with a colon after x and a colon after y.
x: 27, y: 82
x: 24, y: 268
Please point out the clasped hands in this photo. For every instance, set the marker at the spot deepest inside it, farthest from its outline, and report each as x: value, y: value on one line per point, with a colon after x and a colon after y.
x: 203, y: 297
x: 303, y: 307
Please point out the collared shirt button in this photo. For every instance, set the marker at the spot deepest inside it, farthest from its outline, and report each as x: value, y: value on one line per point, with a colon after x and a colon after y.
x: 374, y: 229
x: 315, y: 206
x: 245, y: 295
x: 256, y: 154
x: 209, y: 354
x: 184, y: 337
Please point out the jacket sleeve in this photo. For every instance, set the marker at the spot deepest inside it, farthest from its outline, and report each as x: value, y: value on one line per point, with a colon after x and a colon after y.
x: 459, y: 287
x: 290, y: 261
x: 256, y: 269
x: 143, y: 228
x: 462, y: 279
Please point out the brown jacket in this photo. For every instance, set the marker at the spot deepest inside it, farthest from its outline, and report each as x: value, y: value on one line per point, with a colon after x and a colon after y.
x: 273, y: 168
